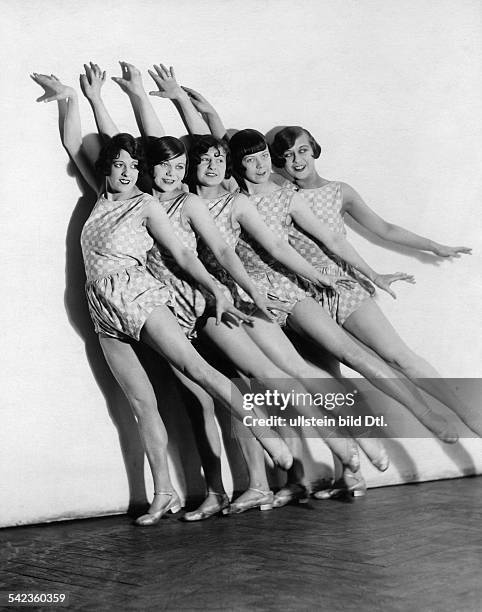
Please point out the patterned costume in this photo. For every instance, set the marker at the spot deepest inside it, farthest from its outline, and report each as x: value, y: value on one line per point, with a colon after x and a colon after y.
x: 271, y: 278
x: 326, y: 202
x: 221, y: 209
x: 121, y: 293
x: 188, y: 301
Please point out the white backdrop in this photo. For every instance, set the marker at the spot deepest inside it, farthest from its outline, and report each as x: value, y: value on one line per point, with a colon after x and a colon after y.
x: 392, y: 90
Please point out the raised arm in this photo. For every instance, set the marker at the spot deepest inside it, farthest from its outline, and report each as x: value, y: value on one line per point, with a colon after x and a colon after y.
x: 339, y: 245
x: 201, y: 221
x: 70, y: 129
x: 251, y: 221
x: 354, y: 205
x: 160, y: 227
x: 131, y: 83
x: 91, y: 84
x: 169, y: 88
x: 208, y: 112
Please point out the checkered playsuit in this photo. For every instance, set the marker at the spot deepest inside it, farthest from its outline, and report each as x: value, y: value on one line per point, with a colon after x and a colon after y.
x: 120, y: 291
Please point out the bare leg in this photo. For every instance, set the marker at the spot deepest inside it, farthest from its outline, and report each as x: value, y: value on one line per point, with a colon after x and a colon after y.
x: 370, y: 326
x: 137, y: 387
x: 309, y: 319
x: 164, y: 335
x: 236, y: 344
x: 209, y: 447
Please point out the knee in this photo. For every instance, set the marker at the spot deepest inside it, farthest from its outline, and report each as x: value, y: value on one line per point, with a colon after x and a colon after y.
x: 200, y: 372
x: 143, y: 405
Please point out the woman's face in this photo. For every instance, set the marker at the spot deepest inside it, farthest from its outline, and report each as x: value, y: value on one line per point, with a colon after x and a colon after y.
x: 257, y: 167
x: 124, y: 173
x: 211, y: 169
x: 168, y: 175
x: 299, y: 160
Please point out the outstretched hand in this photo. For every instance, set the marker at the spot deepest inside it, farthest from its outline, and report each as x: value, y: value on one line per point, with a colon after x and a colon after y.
x: 131, y: 80
x: 224, y: 306
x: 443, y: 250
x: 165, y: 79
x: 199, y: 101
x: 383, y: 281
x: 92, y: 81
x: 335, y: 282
x: 53, y: 88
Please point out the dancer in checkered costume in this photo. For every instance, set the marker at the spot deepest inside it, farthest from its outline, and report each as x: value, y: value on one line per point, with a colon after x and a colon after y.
x: 112, y: 250
x: 325, y: 202
x: 188, y: 299
x: 120, y: 294
x: 295, y: 150
x: 271, y: 276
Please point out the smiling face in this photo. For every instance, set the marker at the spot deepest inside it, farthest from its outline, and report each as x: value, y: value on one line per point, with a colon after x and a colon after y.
x: 124, y: 173
x: 257, y: 167
x: 299, y: 159
x: 211, y: 169
x: 168, y: 175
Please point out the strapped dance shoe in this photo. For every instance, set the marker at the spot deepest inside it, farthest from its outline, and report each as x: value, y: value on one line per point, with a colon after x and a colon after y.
x: 294, y: 492
x: 351, y: 484
x: 152, y: 518
x: 261, y: 499
x: 206, y: 509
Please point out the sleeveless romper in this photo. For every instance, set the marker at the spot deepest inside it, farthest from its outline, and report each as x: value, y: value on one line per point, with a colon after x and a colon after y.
x: 221, y: 210
x: 121, y: 293
x: 326, y: 202
x: 188, y: 301
x: 271, y: 278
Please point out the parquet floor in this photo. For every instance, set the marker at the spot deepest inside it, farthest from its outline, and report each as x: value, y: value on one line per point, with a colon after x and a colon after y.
x: 408, y: 548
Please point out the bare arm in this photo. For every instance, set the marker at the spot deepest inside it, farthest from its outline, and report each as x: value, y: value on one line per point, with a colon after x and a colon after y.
x: 70, y: 132
x: 204, y: 226
x: 208, y: 112
x: 160, y: 227
x: 355, y: 206
x: 131, y: 83
x: 91, y: 84
x: 339, y: 245
x: 168, y: 87
x: 251, y: 221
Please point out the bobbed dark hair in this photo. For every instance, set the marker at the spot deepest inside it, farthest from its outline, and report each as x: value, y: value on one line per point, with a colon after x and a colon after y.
x: 285, y: 139
x: 201, y: 145
x: 111, y: 150
x: 245, y: 142
x: 163, y: 149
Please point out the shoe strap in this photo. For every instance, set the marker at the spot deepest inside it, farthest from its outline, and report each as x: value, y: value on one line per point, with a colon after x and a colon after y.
x: 171, y: 493
x: 260, y: 491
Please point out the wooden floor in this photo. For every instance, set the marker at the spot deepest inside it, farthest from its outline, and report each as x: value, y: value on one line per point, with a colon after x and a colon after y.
x: 412, y: 548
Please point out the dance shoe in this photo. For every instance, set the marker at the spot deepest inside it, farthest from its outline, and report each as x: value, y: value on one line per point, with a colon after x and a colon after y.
x: 294, y: 492
x: 207, y: 509
x: 173, y: 505
x: 253, y: 498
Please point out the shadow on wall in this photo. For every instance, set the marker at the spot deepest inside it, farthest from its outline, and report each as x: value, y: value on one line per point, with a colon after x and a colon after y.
x: 178, y: 407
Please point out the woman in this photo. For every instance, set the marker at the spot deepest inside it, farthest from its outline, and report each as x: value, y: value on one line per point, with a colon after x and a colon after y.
x: 190, y: 217
x: 294, y: 151
x: 127, y: 304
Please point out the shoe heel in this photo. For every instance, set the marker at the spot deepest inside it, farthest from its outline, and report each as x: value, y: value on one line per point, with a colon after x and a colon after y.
x: 303, y: 500
x: 266, y: 507
x: 226, y: 511
x: 175, y: 509
x: 359, y: 492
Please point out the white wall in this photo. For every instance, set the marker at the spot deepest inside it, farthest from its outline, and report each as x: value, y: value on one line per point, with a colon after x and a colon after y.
x: 392, y: 89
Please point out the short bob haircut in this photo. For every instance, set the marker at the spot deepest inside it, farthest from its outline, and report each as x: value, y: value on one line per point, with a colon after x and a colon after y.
x: 111, y: 150
x: 285, y: 139
x: 245, y: 142
x: 201, y: 145
x: 163, y: 149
